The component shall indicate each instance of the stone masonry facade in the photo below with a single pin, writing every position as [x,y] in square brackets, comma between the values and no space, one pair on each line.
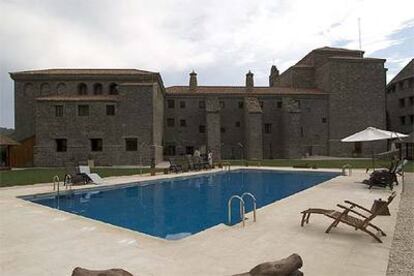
[128,117]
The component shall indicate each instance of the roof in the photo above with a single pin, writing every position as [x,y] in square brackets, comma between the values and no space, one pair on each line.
[76,98]
[80,71]
[261,90]
[405,73]
[7,141]
[335,49]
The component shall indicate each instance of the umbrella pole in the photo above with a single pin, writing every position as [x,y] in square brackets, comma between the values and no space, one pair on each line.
[373,157]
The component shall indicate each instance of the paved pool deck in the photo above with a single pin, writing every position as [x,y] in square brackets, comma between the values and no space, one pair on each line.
[37,240]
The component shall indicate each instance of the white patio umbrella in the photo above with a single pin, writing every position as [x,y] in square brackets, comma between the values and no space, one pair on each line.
[373,134]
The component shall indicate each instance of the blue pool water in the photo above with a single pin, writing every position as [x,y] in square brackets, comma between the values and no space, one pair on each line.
[176,208]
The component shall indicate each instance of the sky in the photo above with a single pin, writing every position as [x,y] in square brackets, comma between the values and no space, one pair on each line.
[220,39]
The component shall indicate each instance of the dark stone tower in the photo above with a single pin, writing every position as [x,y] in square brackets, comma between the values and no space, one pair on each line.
[274,74]
[249,82]
[193,81]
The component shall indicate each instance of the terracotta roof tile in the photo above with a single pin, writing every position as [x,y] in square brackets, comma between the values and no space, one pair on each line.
[80,71]
[86,98]
[242,90]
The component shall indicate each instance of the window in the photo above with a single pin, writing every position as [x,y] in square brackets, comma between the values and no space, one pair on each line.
[268,128]
[301,132]
[183,123]
[170,103]
[170,122]
[357,147]
[59,110]
[411,82]
[182,104]
[402,120]
[412,119]
[412,100]
[261,104]
[324,120]
[222,105]
[401,85]
[202,129]
[113,89]
[169,150]
[61,145]
[97,89]
[189,150]
[201,104]
[131,144]
[241,105]
[110,110]
[279,104]
[82,89]
[223,130]
[237,124]
[83,110]
[96,144]
[401,102]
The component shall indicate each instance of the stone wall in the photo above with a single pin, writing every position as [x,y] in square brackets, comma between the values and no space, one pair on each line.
[356,101]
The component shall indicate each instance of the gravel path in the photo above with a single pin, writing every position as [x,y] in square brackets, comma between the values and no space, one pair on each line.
[401,261]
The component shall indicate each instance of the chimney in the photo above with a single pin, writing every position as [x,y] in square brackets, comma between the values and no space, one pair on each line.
[274,75]
[193,81]
[249,82]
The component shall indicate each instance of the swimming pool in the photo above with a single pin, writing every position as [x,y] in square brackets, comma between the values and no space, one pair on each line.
[178,207]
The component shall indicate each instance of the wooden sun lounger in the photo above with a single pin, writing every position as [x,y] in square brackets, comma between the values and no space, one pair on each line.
[359,222]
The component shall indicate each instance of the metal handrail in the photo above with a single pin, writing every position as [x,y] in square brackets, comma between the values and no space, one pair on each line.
[56,182]
[67,181]
[254,203]
[242,210]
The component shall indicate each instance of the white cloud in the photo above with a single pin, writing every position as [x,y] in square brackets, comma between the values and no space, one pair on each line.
[176,36]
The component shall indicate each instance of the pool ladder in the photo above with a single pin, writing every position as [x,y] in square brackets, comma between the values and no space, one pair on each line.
[242,207]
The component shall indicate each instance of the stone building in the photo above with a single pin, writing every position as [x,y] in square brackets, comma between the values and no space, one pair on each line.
[400,108]
[113,116]
[400,100]
[329,94]
[125,116]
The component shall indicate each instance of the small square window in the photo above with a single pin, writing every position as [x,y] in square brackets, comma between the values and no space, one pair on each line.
[131,144]
[223,130]
[402,120]
[182,104]
[222,105]
[202,129]
[171,103]
[83,110]
[279,104]
[169,150]
[411,119]
[401,85]
[268,128]
[61,145]
[201,104]
[183,123]
[324,120]
[412,100]
[401,102]
[59,110]
[189,150]
[96,144]
[110,110]
[241,105]
[170,122]
[237,124]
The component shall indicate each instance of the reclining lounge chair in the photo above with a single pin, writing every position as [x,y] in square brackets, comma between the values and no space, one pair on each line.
[359,222]
[174,166]
[386,178]
[92,177]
